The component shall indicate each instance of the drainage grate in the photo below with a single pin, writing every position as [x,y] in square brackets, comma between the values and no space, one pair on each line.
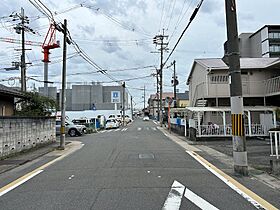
[146,156]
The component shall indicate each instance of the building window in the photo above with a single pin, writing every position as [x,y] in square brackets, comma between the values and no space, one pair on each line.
[274,35]
[274,48]
[218,79]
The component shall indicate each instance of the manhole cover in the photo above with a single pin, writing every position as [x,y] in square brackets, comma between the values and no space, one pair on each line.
[146,156]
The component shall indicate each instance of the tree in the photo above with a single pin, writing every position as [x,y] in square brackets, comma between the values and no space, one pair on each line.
[35,105]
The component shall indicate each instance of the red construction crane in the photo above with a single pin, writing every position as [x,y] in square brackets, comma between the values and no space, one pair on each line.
[49,43]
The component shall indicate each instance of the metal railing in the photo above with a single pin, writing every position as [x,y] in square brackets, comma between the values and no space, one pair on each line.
[255,88]
[272,85]
[221,130]
[274,143]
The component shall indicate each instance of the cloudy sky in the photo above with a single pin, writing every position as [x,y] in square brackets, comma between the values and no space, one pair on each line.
[117,35]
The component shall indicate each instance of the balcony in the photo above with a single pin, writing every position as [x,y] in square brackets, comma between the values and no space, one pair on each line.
[270,87]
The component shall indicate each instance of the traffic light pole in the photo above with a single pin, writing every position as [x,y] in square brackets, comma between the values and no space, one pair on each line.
[236,99]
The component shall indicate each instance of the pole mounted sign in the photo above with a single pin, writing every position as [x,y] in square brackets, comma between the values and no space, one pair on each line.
[115,97]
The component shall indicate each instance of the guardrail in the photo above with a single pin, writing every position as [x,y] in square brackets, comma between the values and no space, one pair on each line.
[274,143]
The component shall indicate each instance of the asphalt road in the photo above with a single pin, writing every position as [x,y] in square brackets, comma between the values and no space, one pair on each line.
[136,167]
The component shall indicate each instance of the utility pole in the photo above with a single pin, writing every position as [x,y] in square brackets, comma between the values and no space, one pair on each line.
[144,97]
[157,95]
[123,102]
[63,98]
[131,107]
[236,99]
[23,65]
[21,28]
[175,82]
[159,40]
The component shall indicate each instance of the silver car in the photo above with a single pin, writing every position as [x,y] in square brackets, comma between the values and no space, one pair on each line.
[71,128]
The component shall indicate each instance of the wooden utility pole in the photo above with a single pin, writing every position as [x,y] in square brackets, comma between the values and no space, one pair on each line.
[236,99]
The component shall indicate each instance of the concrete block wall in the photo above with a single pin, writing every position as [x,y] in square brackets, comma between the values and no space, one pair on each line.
[21,133]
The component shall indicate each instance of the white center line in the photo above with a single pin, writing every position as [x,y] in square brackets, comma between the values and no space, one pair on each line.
[139,129]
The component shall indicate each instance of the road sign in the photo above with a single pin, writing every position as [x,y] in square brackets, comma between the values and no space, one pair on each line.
[115,97]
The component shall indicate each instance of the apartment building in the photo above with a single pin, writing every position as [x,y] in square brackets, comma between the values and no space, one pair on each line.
[264,43]
[209,93]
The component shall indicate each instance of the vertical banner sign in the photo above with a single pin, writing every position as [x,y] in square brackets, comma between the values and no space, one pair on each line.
[115,97]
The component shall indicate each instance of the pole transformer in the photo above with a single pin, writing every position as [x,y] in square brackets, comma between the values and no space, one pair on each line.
[236,99]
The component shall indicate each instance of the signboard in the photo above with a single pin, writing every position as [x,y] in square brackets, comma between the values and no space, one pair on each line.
[115,97]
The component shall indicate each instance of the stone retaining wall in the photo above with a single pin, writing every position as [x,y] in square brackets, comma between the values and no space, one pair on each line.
[22,133]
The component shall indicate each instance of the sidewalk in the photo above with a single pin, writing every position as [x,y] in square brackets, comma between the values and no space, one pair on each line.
[258,151]
[26,156]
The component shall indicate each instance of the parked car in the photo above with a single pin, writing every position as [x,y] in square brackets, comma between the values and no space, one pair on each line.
[112,123]
[146,118]
[71,128]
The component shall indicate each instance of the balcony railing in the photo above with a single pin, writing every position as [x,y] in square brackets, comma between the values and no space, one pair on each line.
[273,86]
[249,88]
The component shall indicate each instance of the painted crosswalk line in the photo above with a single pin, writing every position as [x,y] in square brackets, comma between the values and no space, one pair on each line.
[178,191]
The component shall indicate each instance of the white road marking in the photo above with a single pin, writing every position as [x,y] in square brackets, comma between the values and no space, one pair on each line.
[68,150]
[108,131]
[154,128]
[117,130]
[20,182]
[139,129]
[198,201]
[174,198]
[124,129]
[228,182]
[173,201]
[102,131]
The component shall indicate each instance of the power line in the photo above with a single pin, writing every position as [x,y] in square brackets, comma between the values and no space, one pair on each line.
[191,19]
